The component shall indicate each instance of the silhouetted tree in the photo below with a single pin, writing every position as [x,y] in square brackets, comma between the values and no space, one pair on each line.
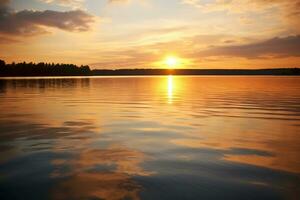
[2,63]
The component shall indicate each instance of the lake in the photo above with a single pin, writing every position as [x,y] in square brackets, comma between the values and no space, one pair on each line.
[150,138]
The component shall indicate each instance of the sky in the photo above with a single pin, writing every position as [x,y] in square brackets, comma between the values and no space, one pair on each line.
[144,33]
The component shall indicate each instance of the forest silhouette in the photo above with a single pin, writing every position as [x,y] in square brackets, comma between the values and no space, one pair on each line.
[50,69]
[42,69]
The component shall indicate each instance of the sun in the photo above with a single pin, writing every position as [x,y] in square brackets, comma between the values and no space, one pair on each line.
[171,61]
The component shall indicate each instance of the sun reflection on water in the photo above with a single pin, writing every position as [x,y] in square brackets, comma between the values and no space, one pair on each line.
[170,89]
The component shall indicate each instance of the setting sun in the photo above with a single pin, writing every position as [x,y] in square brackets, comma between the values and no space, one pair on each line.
[171,61]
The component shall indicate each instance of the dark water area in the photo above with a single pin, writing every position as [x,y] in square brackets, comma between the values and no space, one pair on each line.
[150,138]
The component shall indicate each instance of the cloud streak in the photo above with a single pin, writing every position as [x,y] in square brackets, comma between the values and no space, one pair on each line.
[67,3]
[274,48]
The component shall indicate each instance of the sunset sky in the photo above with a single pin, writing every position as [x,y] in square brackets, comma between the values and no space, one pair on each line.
[143,33]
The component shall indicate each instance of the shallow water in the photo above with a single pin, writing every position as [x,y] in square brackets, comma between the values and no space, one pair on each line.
[150,138]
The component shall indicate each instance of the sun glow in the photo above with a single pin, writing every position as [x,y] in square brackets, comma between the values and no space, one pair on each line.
[171,61]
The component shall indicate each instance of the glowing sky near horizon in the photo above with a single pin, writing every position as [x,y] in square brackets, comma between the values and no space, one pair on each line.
[142,33]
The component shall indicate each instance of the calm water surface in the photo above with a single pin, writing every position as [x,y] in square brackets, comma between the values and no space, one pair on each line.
[150,138]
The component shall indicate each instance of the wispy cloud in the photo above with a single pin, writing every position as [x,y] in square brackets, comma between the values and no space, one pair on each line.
[286,12]
[7,40]
[67,3]
[272,48]
[118,1]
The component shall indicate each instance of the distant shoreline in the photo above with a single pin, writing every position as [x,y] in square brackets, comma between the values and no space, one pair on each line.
[166,72]
[54,70]
[199,72]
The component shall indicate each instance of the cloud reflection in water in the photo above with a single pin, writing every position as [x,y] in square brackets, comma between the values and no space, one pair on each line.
[142,137]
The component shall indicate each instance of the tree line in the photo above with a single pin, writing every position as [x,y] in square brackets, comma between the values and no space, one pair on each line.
[43,69]
[51,69]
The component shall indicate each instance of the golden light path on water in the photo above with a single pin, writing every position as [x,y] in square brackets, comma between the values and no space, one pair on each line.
[170,89]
